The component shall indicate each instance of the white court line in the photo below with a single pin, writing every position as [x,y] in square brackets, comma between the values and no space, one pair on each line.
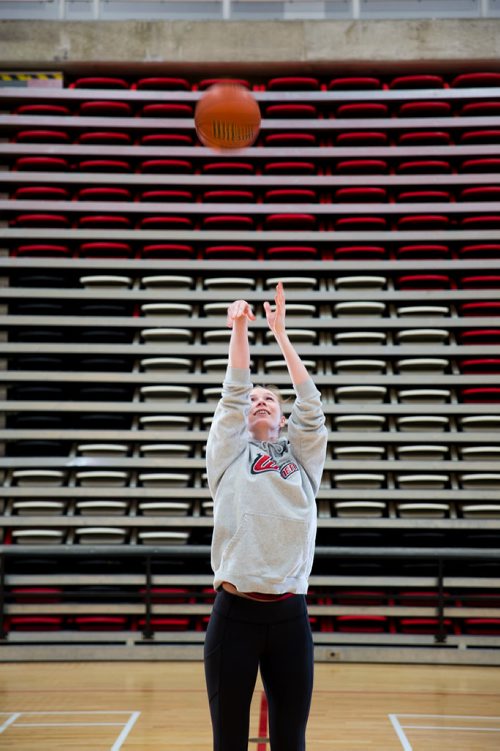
[470,728]
[126,730]
[451,716]
[13,717]
[400,732]
[78,711]
[69,724]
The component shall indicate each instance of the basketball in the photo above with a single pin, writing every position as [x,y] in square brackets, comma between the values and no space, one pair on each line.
[227,117]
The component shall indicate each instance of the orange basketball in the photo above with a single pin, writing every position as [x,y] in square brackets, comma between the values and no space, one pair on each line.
[227,117]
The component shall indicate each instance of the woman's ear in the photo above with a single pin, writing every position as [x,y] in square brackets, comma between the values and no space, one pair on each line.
[282,421]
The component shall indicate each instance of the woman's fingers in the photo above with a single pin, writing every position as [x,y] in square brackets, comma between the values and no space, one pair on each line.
[239,309]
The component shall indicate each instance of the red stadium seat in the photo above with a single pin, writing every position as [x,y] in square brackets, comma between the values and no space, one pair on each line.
[482,308]
[169,595]
[424,196]
[105,249]
[228,195]
[293,83]
[107,193]
[36,595]
[482,395]
[230,252]
[361,224]
[481,626]
[289,140]
[289,168]
[360,195]
[362,166]
[164,624]
[165,223]
[41,164]
[228,168]
[480,365]
[362,624]
[166,139]
[100,622]
[417,81]
[166,166]
[104,137]
[104,221]
[359,253]
[40,135]
[473,80]
[290,195]
[207,82]
[162,195]
[290,222]
[99,82]
[487,108]
[291,111]
[422,252]
[354,83]
[480,193]
[43,109]
[428,626]
[162,83]
[167,109]
[42,250]
[167,251]
[424,281]
[424,167]
[361,138]
[484,164]
[35,623]
[41,193]
[54,221]
[425,109]
[105,109]
[420,222]
[362,109]
[292,253]
[480,222]
[472,137]
[480,336]
[104,165]
[229,222]
[424,138]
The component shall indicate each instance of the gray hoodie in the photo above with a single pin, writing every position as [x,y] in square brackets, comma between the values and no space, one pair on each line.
[264,493]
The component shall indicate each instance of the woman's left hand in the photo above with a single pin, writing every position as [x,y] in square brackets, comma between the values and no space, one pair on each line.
[276,317]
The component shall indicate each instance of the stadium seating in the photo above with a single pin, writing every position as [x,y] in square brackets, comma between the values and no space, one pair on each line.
[121,258]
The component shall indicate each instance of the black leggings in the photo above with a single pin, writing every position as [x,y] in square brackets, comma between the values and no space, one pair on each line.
[242,635]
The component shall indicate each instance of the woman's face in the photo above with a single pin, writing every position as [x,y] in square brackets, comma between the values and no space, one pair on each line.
[265,418]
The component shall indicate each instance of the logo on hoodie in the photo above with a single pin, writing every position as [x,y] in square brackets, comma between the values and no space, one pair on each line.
[264,463]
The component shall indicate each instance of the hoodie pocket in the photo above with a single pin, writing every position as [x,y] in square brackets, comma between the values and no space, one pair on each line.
[274,547]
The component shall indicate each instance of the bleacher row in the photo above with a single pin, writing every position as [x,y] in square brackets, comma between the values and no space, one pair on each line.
[376,199]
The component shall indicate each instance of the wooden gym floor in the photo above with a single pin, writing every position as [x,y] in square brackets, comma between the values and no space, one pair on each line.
[161,706]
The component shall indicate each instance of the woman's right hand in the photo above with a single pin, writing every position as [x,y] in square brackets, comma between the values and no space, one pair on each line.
[239,310]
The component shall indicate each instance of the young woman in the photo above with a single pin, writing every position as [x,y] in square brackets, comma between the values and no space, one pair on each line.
[264,490]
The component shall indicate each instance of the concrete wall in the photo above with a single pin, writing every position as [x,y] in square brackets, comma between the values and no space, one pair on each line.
[316,44]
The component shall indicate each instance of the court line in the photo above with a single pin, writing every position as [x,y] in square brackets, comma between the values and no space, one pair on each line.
[453,716]
[263,722]
[452,727]
[75,712]
[125,732]
[405,743]
[13,717]
[69,724]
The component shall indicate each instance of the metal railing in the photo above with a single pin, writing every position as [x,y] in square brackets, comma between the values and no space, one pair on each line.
[150,553]
[88,10]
